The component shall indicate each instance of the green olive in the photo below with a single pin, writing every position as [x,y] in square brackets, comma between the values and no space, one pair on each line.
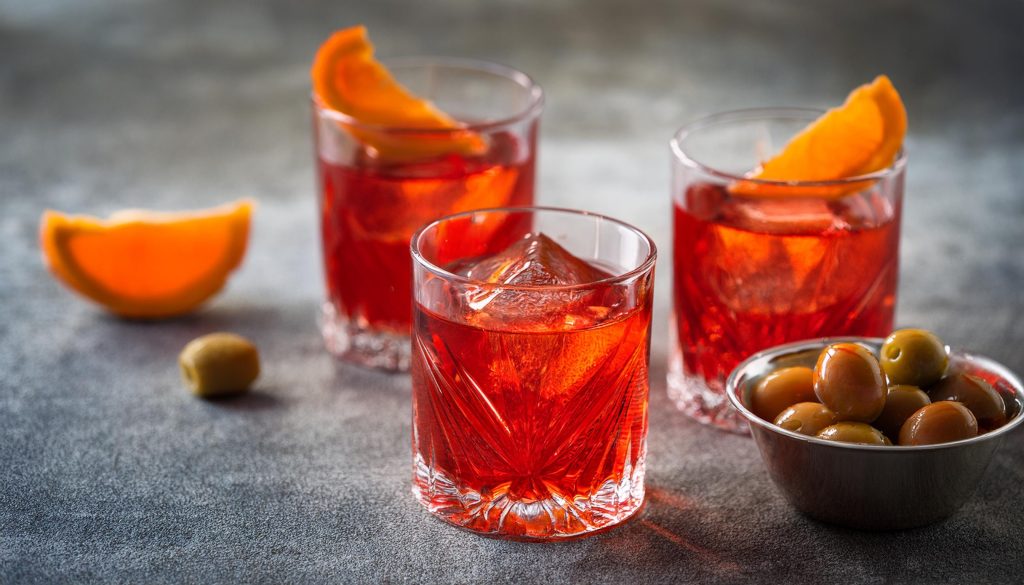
[848,380]
[219,364]
[781,388]
[853,432]
[939,422]
[806,418]
[915,357]
[976,394]
[901,402]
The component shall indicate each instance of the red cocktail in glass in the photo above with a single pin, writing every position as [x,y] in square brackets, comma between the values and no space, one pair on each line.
[530,372]
[753,271]
[371,204]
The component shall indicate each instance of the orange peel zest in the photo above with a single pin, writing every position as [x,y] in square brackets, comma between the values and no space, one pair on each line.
[388,118]
[861,136]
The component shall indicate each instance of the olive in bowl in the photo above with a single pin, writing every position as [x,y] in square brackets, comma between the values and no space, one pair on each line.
[870,486]
[849,380]
[915,357]
[808,418]
[853,432]
[781,389]
[939,422]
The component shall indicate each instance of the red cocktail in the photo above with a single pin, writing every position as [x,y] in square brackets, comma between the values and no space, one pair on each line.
[529,374]
[754,271]
[378,184]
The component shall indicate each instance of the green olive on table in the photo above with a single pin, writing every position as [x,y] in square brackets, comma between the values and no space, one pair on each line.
[853,432]
[806,418]
[780,389]
[849,380]
[939,422]
[914,356]
[976,394]
[901,402]
[219,364]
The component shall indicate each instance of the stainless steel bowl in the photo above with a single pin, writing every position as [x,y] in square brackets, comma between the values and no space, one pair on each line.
[865,486]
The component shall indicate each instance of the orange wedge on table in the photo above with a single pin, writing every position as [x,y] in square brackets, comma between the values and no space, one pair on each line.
[348,79]
[147,264]
[862,136]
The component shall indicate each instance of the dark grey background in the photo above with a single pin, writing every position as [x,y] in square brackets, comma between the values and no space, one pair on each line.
[112,472]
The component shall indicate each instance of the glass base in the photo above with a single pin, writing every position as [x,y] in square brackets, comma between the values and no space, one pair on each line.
[497,514]
[352,342]
[704,401]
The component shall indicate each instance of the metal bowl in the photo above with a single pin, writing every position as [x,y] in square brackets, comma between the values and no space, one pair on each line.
[865,486]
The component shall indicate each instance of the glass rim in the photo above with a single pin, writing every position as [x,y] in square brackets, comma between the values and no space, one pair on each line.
[733,392]
[644,266]
[765,114]
[536,92]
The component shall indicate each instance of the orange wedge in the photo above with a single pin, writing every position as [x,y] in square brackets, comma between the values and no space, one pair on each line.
[348,79]
[861,136]
[894,117]
[147,264]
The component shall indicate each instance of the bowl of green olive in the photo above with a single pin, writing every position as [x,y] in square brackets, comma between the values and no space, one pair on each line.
[876,434]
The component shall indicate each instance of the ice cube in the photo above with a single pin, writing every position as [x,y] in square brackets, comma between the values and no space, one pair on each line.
[535,260]
[796,216]
[862,210]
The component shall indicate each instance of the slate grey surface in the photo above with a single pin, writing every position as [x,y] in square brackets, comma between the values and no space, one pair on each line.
[111,472]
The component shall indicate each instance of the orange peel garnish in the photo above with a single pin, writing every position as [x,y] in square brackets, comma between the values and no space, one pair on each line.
[860,137]
[147,264]
[347,78]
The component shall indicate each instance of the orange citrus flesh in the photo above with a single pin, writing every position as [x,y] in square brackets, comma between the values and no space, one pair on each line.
[348,79]
[147,264]
[861,136]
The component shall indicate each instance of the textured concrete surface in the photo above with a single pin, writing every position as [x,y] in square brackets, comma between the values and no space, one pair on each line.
[111,472]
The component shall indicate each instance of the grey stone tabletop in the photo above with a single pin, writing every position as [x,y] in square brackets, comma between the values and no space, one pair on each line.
[111,472]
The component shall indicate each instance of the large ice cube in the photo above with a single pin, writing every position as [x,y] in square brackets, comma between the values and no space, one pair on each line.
[779,216]
[536,261]
[863,210]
